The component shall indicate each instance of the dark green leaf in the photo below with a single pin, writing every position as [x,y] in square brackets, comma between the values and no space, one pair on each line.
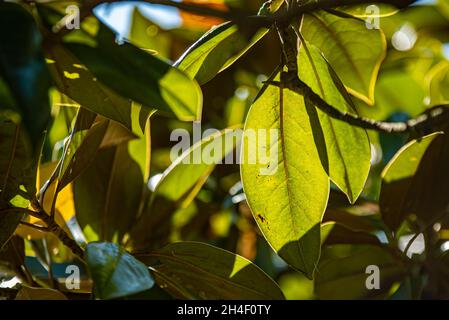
[17,175]
[354,51]
[74,80]
[194,270]
[106,199]
[416,181]
[140,76]
[23,70]
[336,233]
[115,272]
[345,277]
[179,185]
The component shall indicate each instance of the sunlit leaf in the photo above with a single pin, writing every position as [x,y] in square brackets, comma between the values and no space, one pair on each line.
[354,51]
[438,83]
[147,35]
[348,149]
[216,50]
[193,270]
[287,196]
[180,183]
[76,81]
[219,48]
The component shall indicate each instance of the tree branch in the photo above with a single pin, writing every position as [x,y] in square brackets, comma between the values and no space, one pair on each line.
[426,123]
[239,17]
[59,232]
[300,9]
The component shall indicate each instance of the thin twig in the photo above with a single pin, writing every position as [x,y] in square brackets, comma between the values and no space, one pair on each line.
[35,226]
[300,9]
[57,230]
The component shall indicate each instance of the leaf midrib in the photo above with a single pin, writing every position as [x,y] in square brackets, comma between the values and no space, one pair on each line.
[287,176]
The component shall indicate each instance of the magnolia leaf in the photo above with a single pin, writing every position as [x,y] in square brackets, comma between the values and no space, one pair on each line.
[115,272]
[106,199]
[353,50]
[351,276]
[17,176]
[194,270]
[415,181]
[348,149]
[140,76]
[220,47]
[179,185]
[287,195]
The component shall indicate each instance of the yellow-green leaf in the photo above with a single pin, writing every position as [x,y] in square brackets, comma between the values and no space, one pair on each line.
[289,199]
[194,270]
[354,51]
[347,147]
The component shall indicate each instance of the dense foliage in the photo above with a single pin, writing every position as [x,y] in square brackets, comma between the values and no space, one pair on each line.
[355,91]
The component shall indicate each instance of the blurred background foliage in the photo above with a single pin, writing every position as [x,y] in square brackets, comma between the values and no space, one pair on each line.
[413,77]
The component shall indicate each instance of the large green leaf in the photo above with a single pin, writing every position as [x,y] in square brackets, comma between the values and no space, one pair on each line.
[354,51]
[179,185]
[416,181]
[194,270]
[106,199]
[289,199]
[348,148]
[115,272]
[23,70]
[140,76]
[345,277]
[17,175]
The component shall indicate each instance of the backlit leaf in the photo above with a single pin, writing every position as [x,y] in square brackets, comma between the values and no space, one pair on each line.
[354,51]
[348,149]
[287,196]
[194,270]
